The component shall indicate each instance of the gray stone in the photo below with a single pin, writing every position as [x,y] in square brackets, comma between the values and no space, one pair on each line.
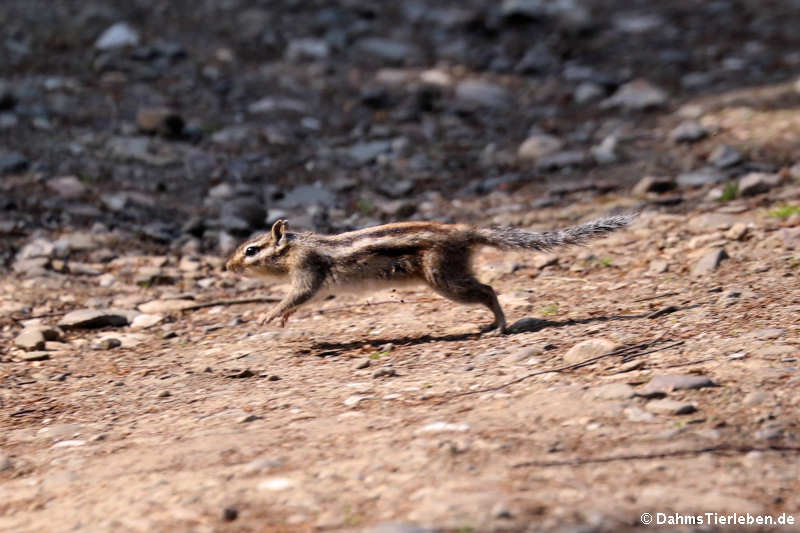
[613,391]
[712,222]
[35,356]
[636,95]
[477,93]
[69,187]
[106,343]
[724,156]
[756,398]
[670,382]
[307,49]
[233,135]
[588,92]
[384,372]
[670,407]
[11,162]
[116,36]
[241,214]
[395,188]
[777,351]
[95,318]
[653,184]
[387,50]
[709,262]
[366,152]
[605,153]
[635,414]
[757,183]
[700,177]
[588,349]
[165,306]
[30,339]
[658,266]
[688,132]
[539,145]
[269,104]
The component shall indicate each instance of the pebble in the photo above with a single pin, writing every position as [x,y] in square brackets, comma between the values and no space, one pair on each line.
[146,320]
[588,349]
[672,382]
[229,514]
[438,427]
[116,36]
[387,50]
[658,266]
[605,153]
[67,187]
[106,343]
[161,120]
[700,177]
[261,465]
[757,183]
[96,318]
[478,93]
[709,262]
[307,49]
[756,398]
[30,339]
[587,92]
[724,156]
[539,145]
[612,391]
[353,401]
[34,356]
[366,152]
[670,407]
[165,306]
[738,232]
[636,95]
[164,394]
[688,132]
[5,463]
[249,418]
[636,414]
[386,371]
[777,351]
[69,443]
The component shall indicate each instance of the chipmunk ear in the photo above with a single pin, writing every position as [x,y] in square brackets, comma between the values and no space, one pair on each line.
[279,230]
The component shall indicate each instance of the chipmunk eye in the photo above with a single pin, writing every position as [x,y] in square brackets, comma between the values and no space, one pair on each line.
[251,251]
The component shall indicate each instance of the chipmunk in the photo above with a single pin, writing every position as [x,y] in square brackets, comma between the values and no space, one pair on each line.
[430,253]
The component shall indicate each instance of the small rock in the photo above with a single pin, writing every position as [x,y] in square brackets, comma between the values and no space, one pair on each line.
[161,120]
[771,431]
[145,321]
[658,266]
[539,145]
[165,306]
[775,351]
[477,93]
[30,339]
[605,152]
[366,152]
[755,398]
[35,356]
[612,391]
[95,318]
[116,36]
[362,364]
[671,382]
[588,349]
[305,195]
[670,407]
[307,49]
[709,262]
[249,418]
[69,443]
[738,232]
[588,92]
[688,132]
[757,183]
[68,187]
[106,343]
[387,50]
[438,427]
[700,177]
[11,162]
[275,484]
[353,401]
[5,463]
[261,465]
[567,158]
[386,371]
[653,184]
[545,260]
[501,511]
[724,156]
[635,414]
[164,394]
[636,95]
[768,333]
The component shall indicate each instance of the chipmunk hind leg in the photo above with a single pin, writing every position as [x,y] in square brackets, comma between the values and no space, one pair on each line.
[450,275]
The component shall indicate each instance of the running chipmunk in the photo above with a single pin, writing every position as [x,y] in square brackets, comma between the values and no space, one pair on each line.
[431,253]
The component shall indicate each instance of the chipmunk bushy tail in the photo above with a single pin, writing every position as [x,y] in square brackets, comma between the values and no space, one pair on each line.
[505,237]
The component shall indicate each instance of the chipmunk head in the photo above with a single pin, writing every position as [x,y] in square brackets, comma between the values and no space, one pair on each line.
[264,255]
